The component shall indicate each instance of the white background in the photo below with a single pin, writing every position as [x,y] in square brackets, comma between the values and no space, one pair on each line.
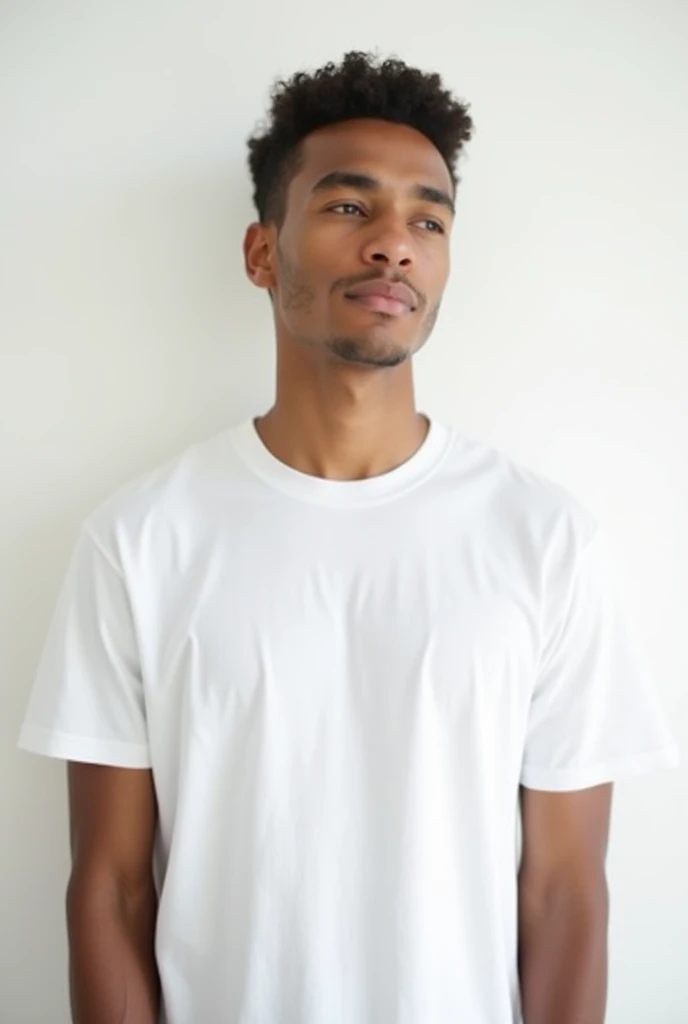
[129,331]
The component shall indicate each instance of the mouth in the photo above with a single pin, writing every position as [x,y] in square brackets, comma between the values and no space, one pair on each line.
[390,298]
[381,304]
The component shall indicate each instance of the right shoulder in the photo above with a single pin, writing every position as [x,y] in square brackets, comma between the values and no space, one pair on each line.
[161,499]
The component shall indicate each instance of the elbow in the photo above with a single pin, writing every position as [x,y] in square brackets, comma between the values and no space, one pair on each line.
[95,895]
[576,898]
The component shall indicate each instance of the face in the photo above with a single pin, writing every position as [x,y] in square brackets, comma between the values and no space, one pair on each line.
[360,263]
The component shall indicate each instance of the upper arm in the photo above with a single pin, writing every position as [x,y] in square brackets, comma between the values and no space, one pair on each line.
[113,816]
[565,837]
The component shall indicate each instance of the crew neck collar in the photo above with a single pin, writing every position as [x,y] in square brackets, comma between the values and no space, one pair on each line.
[249,446]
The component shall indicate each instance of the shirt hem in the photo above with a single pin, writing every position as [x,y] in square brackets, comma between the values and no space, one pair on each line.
[68,747]
[561,780]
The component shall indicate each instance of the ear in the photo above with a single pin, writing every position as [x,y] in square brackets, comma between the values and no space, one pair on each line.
[259,248]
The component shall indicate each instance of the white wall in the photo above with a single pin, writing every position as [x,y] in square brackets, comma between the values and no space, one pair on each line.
[128,331]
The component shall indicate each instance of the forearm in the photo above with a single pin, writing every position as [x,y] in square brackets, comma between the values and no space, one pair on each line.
[112,971]
[563,956]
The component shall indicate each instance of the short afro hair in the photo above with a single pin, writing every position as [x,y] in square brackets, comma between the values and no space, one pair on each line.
[360,87]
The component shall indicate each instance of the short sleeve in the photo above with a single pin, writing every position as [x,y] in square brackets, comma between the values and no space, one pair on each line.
[593,716]
[87,698]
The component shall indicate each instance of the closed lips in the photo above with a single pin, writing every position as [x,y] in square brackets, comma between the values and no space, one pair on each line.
[386,290]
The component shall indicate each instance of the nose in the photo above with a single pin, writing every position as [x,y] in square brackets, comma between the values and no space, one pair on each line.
[389,245]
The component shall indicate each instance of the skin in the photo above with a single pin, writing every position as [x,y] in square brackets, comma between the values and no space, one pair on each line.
[344,410]
[563,906]
[111,899]
[344,404]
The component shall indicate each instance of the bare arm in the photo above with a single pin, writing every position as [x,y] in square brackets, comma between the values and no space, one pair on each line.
[563,906]
[111,901]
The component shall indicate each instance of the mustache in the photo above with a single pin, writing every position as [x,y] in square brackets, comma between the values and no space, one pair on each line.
[347,283]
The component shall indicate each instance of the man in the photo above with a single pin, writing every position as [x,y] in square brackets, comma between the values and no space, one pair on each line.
[313,675]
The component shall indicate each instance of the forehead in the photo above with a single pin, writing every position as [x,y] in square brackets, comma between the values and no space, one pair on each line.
[393,153]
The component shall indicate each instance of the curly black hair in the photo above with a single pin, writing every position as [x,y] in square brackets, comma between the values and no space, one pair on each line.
[359,87]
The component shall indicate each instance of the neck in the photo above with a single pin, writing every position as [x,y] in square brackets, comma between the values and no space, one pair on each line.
[334,444]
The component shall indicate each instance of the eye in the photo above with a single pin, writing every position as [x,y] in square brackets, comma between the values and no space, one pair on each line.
[434,226]
[347,208]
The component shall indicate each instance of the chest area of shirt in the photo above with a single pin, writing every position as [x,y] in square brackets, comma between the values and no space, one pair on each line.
[306,632]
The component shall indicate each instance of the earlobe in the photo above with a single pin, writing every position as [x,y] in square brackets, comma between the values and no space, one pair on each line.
[258,255]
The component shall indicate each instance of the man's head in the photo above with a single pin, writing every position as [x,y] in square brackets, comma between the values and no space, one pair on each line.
[354,183]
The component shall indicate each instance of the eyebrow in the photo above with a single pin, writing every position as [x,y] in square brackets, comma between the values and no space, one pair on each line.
[364,183]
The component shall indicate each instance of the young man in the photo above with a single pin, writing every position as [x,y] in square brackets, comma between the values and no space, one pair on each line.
[313,675]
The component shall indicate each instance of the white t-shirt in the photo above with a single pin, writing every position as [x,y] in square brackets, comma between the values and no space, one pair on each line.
[339,687]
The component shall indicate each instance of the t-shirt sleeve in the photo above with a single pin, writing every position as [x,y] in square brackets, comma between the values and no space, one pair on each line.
[87,701]
[593,716]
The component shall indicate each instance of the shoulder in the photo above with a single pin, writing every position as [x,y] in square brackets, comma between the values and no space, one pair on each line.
[540,511]
[162,501]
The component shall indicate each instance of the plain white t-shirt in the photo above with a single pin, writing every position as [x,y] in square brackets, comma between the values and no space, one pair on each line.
[339,687]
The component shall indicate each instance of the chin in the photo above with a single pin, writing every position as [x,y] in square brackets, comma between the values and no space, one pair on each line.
[381,352]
